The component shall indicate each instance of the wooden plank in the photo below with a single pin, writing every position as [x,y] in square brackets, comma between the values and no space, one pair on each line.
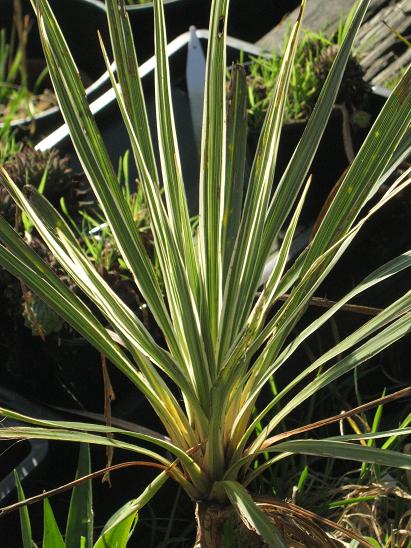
[320,15]
[377,45]
[379,48]
[392,69]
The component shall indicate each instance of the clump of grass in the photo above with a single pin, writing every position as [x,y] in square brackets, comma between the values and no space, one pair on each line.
[19,97]
[47,170]
[95,235]
[10,145]
[314,57]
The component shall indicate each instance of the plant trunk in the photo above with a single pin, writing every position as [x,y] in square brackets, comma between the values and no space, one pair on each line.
[220,525]
[211,519]
[210,522]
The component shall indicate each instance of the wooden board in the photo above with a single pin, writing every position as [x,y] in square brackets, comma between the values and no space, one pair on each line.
[381,52]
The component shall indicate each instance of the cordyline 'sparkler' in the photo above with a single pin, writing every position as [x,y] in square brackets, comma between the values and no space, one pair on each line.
[221,348]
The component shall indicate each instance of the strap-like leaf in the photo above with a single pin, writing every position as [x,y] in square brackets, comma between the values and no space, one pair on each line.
[213,160]
[81,427]
[235,163]
[124,51]
[373,435]
[338,449]
[238,294]
[345,450]
[77,436]
[395,331]
[169,154]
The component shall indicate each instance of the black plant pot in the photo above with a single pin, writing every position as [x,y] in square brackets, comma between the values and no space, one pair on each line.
[246,21]
[179,16]
[62,370]
[59,371]
[251,20]
[80,20]
[25,457]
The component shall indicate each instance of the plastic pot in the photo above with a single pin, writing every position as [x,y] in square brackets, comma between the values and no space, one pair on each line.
[186,106]
[24,457]
[179,15]
[251,20]
[246,21]
[80,20]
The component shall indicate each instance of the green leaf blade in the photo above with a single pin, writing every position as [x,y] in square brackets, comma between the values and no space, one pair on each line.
[248,510]
[25,524]
[52,537]
[80,516]
[346,451]
[119,528]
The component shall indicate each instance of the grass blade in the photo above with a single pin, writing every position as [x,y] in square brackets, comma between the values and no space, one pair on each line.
[52,537]
[118,529]
[80,516]
[25,525]
[169,154]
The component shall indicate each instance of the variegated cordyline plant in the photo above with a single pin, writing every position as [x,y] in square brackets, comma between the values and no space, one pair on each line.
[221,345]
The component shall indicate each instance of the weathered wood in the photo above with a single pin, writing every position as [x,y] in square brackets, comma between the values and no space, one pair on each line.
[382,63]
[374,19]
[381,52]
[377,45]
[320,15]
[393,68]
[315,19]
